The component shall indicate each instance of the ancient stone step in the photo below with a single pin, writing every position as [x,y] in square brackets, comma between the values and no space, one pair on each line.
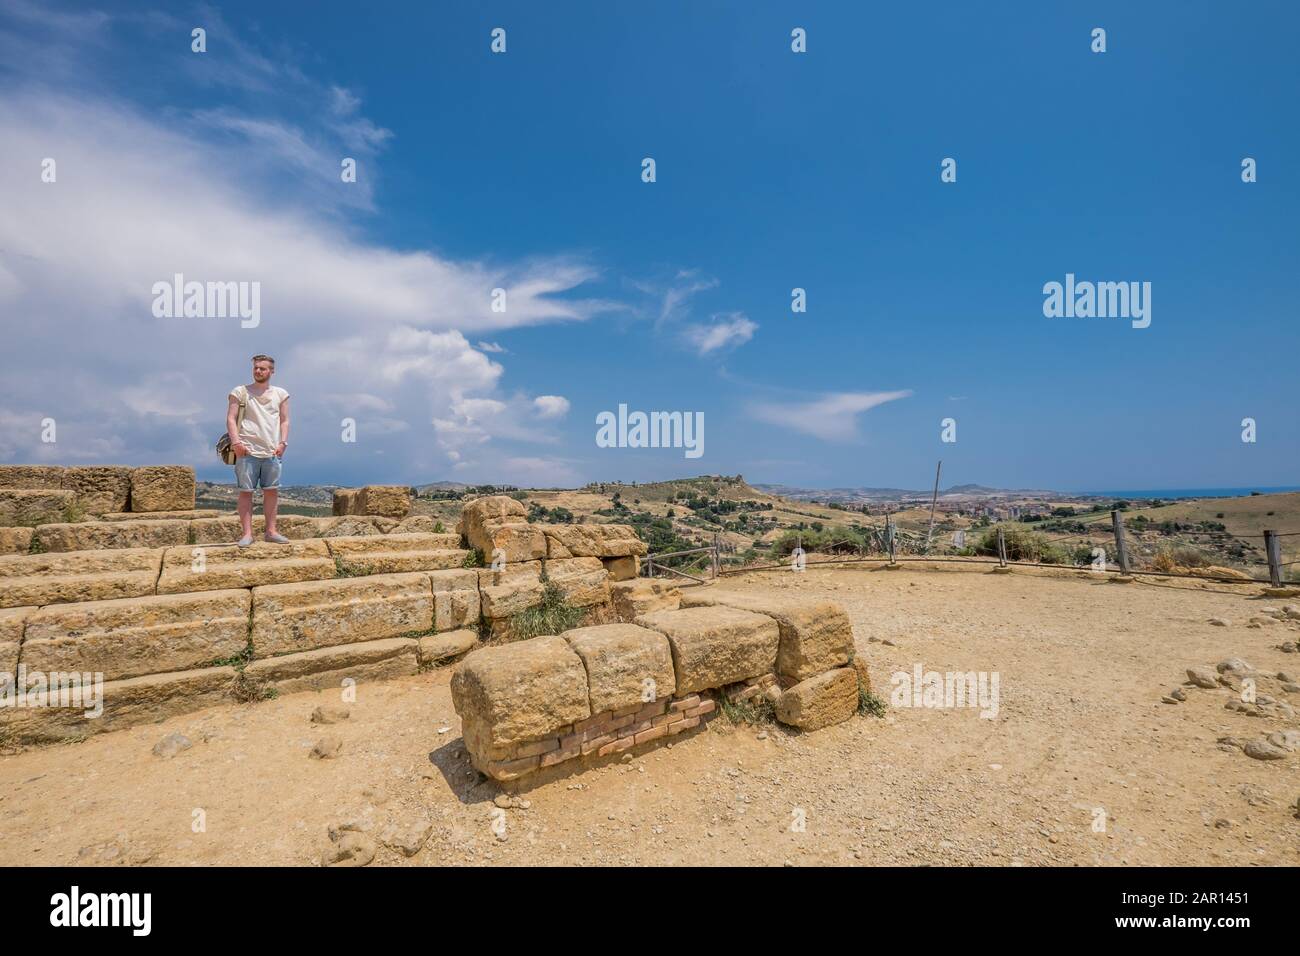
[295,617]
[187,515]
[392,553]
[324,669]
[162,488]
[439,647]
[131,637]
[632,599]
[15,540]
[456,602]
[27,507]
[105,535]
[74,576]
[12,622]
[99,488]
[125,703]
[213,567]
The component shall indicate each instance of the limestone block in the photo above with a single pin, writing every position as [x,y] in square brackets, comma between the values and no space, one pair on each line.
[325,668]
[439,647]
[162,488]
[129,637]
[820,701]
[303,616]
[583,581]
[456,600]
[24,507]
[31,477]
[632,599]
[518,692]
[508,592]
[126,703]
[99,488]
[27,579]
[626,665]
[592,540]
[214,567]
[106,535]
[714,646]
[15,540]
[816,635]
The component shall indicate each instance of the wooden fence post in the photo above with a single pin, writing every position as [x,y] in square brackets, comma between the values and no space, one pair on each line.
[1002,548]
[1273,548]
[715,560]
[1121,549]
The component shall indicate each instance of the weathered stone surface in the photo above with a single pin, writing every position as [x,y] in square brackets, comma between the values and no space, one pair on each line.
[816,635]
[820,701]
[392,553]
[426,523]
[15,540]
[591,540]
[713,646]
[518,541]
[437,647]
[130,637]
[29,579]
[126,703]
[31,476]
[517,588]
[490,509]
[352,526]
[295,617]
[24,507]
[190,514]
[622,569]
[104,535]
[391,501]
[326,667]
[626,665]
[859,665]
[12,622]
[456,602]
[99,488]
[214,567]
[162,488]
[346,501]
[632,599]
[518,692]
[583,581]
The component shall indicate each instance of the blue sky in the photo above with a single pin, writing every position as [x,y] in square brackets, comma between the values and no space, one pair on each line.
[775,170]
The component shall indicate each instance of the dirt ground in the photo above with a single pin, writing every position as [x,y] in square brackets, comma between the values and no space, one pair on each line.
[1081,739]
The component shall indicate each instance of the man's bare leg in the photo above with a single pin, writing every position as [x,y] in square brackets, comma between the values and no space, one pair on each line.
[246,512]
[270,502]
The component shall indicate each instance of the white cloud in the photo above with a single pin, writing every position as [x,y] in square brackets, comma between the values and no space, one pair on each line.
[831,418]
[551,406]
[491,347]
[727,331]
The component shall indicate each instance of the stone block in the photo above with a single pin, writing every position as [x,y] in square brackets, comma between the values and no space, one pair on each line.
[820,701]
[29,507]
[107,535]
[626,665]
[99,488]
[162,488]
[64,577]
[325,668]
[130,637]
[32,477]
[289,618]
[714,646]
[214,567]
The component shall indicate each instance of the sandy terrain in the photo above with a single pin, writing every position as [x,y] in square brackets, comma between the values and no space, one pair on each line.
[1081,732]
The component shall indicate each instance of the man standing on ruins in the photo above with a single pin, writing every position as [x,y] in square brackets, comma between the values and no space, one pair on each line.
[257,421]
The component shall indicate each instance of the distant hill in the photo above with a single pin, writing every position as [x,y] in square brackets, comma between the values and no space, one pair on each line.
[900,494]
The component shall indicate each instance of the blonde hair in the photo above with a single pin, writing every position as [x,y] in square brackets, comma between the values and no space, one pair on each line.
[263,358]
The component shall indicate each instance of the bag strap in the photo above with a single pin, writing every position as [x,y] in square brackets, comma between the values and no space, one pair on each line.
[239,416]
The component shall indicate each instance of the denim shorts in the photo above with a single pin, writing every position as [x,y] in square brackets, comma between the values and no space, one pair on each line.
[253,473]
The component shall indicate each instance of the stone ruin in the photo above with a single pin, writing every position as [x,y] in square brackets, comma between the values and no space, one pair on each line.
[176,619]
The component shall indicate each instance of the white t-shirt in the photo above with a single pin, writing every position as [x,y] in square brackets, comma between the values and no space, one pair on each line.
[260,429]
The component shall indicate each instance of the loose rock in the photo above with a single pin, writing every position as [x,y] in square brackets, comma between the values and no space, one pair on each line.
[329,714]
[327,748]
[171,745]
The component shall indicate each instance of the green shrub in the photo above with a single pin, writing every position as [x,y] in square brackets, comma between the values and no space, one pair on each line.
[554,615]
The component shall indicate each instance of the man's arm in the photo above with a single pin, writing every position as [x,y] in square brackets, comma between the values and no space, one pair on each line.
[284,428]
[232,427]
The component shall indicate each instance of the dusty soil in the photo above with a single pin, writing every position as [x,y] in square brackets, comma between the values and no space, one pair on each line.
[1081,736]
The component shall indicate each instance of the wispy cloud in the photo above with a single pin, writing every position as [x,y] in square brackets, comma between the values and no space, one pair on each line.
[832,417]
[725,331]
